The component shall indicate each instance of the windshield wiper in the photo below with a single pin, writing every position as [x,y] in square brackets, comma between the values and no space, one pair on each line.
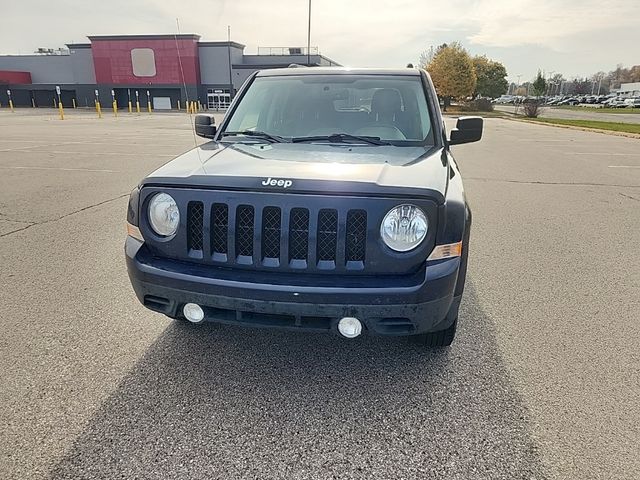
[257,134]
[341,138]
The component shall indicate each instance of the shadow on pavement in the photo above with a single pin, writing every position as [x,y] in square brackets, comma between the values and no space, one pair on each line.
[227,402]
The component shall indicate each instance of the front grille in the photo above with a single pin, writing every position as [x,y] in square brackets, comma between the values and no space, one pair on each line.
[327,234]
[219,227]
[356,235]
[271,226]
[195,225]
[244,230]
[275,236]
[299,234]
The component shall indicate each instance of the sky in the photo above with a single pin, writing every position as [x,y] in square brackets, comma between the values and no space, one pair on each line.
[573,37]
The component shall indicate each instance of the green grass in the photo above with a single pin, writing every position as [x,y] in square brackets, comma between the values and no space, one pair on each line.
[456,111]
[611,126]
[597,110]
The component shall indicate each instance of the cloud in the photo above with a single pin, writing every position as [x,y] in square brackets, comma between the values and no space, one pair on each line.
[545,22]
[567,35]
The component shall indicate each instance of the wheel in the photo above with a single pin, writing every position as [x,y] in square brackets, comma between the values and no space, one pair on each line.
[441,338]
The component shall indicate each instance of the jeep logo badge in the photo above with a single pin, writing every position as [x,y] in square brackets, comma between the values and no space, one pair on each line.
[277,182]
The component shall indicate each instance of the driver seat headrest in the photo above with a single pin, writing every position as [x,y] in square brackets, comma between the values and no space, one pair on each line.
[386,103]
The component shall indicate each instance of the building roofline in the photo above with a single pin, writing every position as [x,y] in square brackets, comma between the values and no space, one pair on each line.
[294,57]
[221,44]
[161,36]
[78,45]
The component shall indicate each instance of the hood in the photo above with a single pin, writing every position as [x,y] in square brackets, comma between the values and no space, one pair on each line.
[304,168]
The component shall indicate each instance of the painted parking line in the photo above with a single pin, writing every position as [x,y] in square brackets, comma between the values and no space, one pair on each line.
[624,166]
[110,154]
[607,154]
[66,169]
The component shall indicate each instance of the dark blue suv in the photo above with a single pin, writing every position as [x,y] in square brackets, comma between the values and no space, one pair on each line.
[327,200]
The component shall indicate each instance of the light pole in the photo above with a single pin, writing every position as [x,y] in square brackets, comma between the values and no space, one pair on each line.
[229,57]
[600,84]
[548,81]
[309,38]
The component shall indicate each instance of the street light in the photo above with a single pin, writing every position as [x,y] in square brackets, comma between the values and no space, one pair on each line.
[549,83]
[309,38]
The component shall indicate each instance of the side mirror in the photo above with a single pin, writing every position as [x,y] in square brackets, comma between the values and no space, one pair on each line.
[205,125]
[468,129]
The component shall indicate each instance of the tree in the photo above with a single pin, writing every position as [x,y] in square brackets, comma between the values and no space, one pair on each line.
[427,55]
[491,77]
[451,70]
[539,85]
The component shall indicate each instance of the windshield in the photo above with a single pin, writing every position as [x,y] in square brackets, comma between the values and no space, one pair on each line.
[390,108]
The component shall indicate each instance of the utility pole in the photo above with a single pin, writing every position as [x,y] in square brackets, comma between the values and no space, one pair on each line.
[548,89]
[229,56]
[599,83]
[309,38]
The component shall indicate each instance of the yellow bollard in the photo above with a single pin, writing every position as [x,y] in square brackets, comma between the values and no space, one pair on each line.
[115,109]
[11,105]
[130,110]
[137,106]
[61,109]
[73,101]
[98,109]
[149,106]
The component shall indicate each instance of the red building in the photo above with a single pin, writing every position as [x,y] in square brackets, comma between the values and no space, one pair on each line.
[166,70]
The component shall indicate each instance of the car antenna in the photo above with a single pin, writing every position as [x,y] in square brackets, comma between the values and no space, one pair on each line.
[186,93]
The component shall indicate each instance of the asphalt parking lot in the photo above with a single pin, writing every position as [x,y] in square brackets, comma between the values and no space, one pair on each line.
[543,380]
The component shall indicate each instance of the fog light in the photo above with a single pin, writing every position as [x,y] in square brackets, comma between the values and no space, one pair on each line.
[350,327]
[193,312]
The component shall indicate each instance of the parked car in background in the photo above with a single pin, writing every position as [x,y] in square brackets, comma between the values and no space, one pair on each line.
[503,99]
[618,103]
[632,102]
[569,101]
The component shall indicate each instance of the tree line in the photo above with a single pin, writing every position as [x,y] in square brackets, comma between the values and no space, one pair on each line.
[600,83]
[458,75]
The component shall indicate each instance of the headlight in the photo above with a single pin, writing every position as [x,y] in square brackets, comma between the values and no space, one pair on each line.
[164,216]
[404,227]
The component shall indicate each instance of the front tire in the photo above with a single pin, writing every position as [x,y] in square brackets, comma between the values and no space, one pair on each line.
[441,338]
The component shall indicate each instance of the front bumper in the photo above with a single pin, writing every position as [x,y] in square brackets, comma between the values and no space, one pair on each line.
[391,305]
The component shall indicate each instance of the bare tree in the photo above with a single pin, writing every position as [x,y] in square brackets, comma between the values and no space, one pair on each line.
[531,109]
